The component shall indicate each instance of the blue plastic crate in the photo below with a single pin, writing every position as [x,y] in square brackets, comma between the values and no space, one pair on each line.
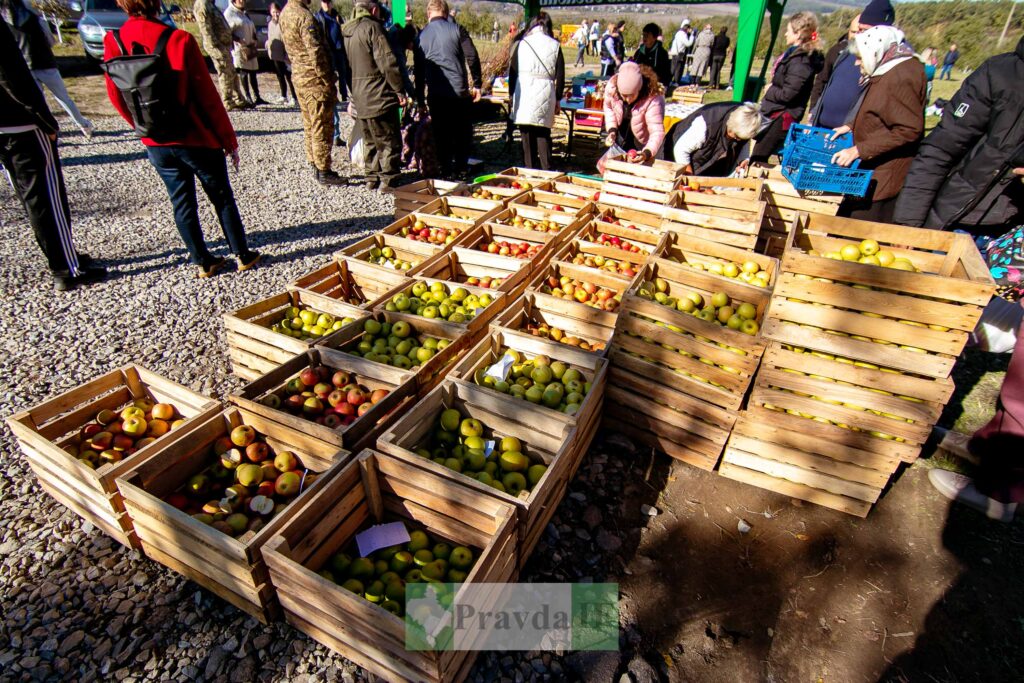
[817,139]
[831,178]
[807,162]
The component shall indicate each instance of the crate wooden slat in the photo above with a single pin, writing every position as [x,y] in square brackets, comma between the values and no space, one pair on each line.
[690,249]
[559,269]
[645,240]
[466,208]
[816,297]
[784,202]
[459,264]
[232,568]
[521,216]
[371,489]
[734,217]
[473,325]
[654,183]
[400,385]
[255,349]
[495,232]
[504,188]
[588,189]
[533,309]
[532,174]
[545,439]
[546,200]
[685,96]
[353,282]
[43,432]
[416,253]
[581,253]
[412,196]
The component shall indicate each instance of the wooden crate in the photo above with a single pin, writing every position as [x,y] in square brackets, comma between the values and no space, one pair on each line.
[703,255]
[653,183]
[548,201]
[495,232]
[416,253]
[466,209]
[354,282]
[638,235]
[374,489]
[412,196]
[473,325]
[684,96]
[45,431]
[840,307]
[588,189]
[400,385]
[255,349]
[532,310]
[532,174]
[784,202]
[582,253]
[505,187]
[429,374]
[524,217]
[459,265]
[492,348]
[232,568]
[735,216]
[602,279]
[641,215]
[546,438]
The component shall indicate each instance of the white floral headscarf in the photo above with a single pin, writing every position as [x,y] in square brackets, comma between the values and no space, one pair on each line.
[880,48]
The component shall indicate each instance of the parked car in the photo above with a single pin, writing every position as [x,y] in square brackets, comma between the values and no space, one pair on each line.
[100,16]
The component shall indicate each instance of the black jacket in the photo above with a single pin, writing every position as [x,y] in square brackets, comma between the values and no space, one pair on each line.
[963,172]
[376,78]
[720,48]
[791,85]
[718,155]
[441,55]
[21,100]
[657,58]
[28,33]
[823,77]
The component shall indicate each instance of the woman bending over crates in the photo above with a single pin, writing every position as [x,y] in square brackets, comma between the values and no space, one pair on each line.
[887,123]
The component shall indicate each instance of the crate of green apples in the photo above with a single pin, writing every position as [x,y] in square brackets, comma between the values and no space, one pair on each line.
[350,281]
[449,304]
[354,602]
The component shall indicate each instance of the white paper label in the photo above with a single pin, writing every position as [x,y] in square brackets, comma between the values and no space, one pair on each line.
[389,265]
[381,536]
[499,371]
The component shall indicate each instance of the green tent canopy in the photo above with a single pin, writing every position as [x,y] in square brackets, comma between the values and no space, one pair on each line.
[751,18]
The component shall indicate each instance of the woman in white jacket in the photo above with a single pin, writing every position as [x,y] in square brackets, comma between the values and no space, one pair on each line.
[536,79]
[244,52]
[702,53]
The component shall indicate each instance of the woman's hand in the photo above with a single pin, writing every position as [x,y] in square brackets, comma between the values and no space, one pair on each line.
[610,140]
[641,157]
[235,160]
[841,130]
[845,157]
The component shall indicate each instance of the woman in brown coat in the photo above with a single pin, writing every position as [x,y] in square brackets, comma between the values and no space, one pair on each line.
[887,123]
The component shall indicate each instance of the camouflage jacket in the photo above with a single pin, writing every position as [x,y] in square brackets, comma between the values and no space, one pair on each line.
[306,46]
[213,27]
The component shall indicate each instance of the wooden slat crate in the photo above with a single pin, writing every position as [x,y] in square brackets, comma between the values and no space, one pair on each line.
[603,314]
[532,310]
[631,214]
[535,219]
[612,225]
[588,189]
[373,489]
[532,174]
[353,282]
[476,238]
[231,567]
[545,438]
[684,96]
[47,430]
[468,209]
[654,183]
[504,188]
[412,251]
[735,216]
[491,349]
[784,202]
[912,321]
[473,325]
[711,257]
[429,374]
[548,201]
[400,385]
[412,196]
[597,257]
[255,349]
[460,265]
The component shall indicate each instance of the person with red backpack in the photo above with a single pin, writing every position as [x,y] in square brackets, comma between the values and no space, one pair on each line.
[182,123]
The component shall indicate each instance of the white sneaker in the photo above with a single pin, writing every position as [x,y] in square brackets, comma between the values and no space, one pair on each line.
[88,129]
[961,489]
[954,443]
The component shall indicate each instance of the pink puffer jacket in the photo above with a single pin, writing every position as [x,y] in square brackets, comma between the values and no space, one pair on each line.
[648,121]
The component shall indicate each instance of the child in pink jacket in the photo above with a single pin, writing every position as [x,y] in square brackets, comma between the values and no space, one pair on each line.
[634,95]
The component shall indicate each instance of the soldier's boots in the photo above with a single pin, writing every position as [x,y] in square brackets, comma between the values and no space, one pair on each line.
[330,178]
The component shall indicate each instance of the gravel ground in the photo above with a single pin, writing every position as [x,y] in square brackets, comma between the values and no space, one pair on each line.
[76,605]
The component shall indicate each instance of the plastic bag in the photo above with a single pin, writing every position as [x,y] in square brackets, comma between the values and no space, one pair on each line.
[613,151]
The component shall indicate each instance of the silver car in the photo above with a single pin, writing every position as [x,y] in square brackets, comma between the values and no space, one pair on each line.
[100,16]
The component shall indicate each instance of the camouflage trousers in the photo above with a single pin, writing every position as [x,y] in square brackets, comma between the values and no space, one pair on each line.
[230,89]
[317,107]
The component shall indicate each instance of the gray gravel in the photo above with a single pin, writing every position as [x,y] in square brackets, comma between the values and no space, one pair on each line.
[78,606]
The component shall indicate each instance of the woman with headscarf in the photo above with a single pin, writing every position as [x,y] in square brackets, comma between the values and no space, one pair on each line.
[887,122]
[634,111]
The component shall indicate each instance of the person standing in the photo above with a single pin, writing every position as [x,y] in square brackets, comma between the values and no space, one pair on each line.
[719,51]
[595,33]
[580,39]
[28,150]
[967,173]
[887,124]
[328,18]
[837,86]
[244,53]
[217,40]
[652,53]
[377,93]
[634,111]
[440,66]
[279,56]
[313,76]
[952,55]
[680,48]
[205,135]
[702,45]
[536,79]
[785,100]
[610,59]
[495,32]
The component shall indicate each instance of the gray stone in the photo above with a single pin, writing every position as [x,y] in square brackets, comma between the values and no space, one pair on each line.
[642,671]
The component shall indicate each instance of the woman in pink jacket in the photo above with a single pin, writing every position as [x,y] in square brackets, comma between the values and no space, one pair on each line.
[634,111]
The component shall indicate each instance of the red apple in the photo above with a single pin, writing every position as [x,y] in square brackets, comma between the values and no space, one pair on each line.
[356,397]
[332,420]
[257,451]
[378,395]
[309,377]
[340,379]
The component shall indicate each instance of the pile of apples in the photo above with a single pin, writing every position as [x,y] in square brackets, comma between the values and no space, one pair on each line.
[869,252]
[612,219]
[485,193]
[458,443]
[519,250]
[386,257]
[616,242]
[748,271]
[381,577]
[307,324]
[420,232]
[395,344]
[246,486]
[624,268]
[437,300]
[113,436]
[694,185]
[485,282]
[718,308]
[545,331]
[535,225]
[565,287]
[330,398]
[554,385]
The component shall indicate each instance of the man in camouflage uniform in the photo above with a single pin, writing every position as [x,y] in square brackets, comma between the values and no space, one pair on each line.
[313,77]
[218,43]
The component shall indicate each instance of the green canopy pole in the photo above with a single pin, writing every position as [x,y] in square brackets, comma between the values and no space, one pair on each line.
[531,9]
[775,22]
[398,11]
[749,27]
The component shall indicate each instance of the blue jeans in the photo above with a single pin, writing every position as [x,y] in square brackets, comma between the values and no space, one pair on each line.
[179,167]
[946,68]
